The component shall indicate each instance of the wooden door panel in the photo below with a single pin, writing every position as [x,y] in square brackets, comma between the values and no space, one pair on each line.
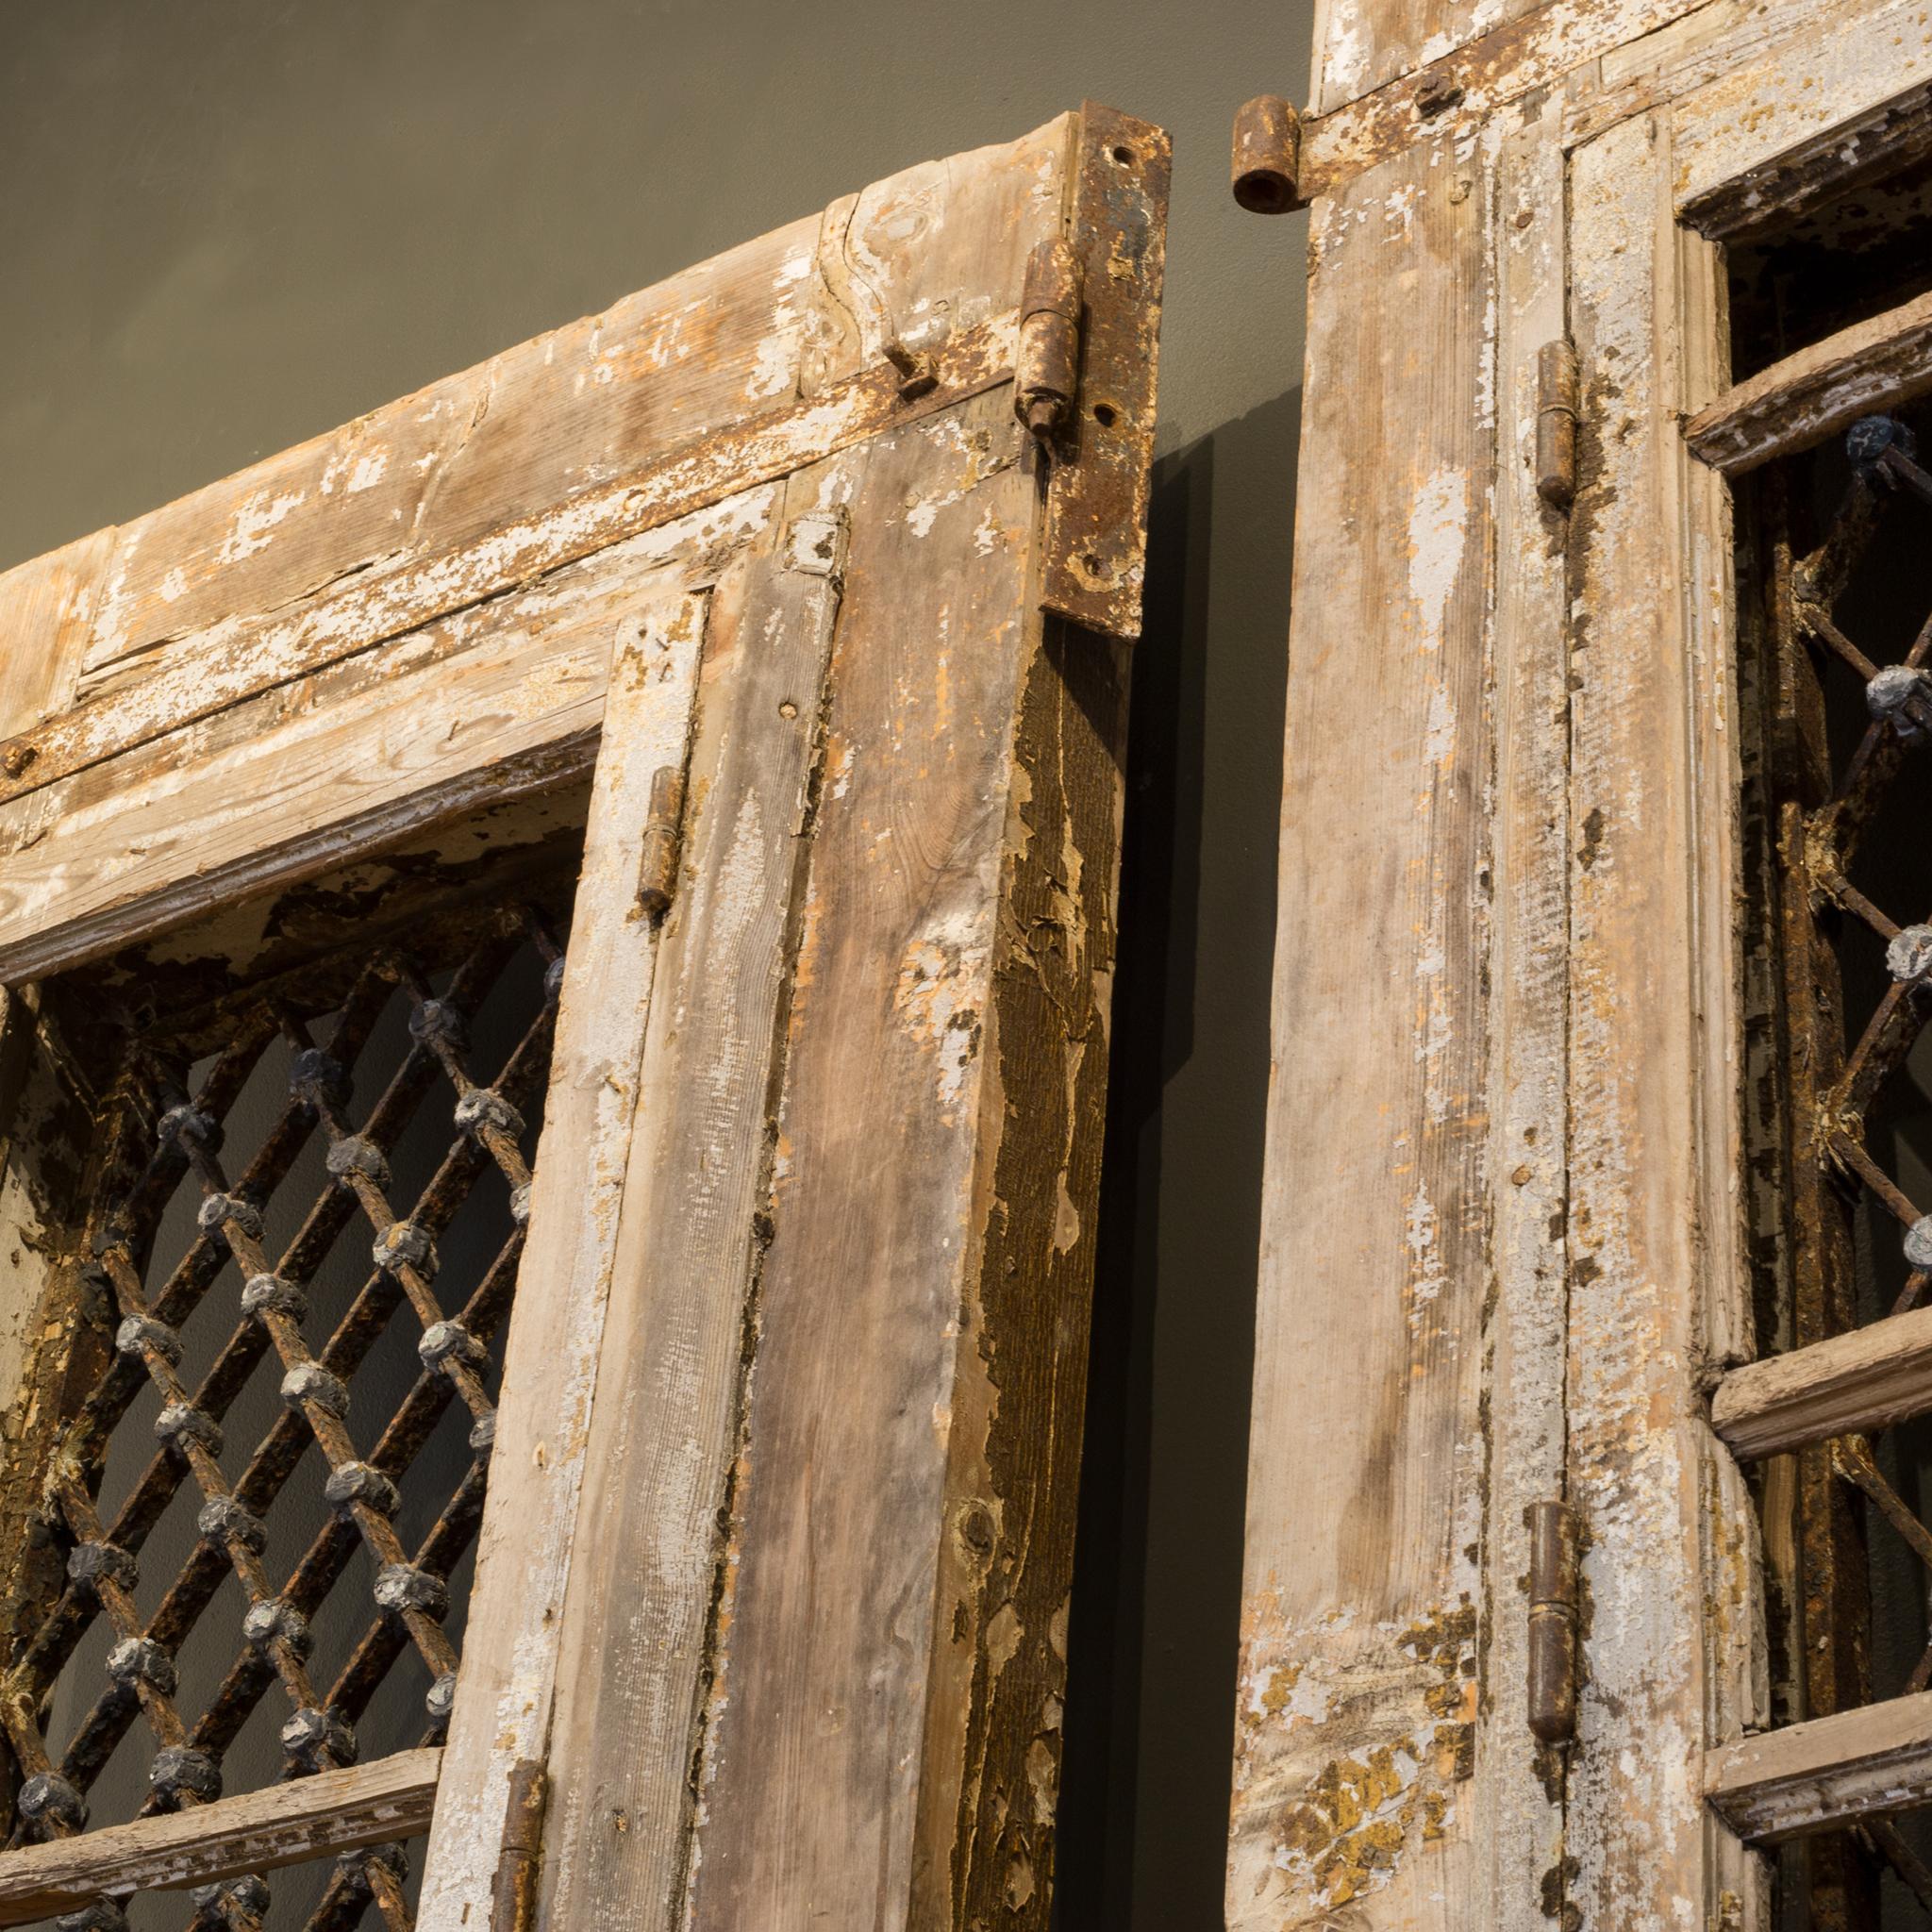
[786,565]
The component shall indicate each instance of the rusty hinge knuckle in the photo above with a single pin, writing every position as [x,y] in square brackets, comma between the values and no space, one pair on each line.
[1266,174]
[1557,391]
[1552,1653]
[513,1891]
[660,846]
[1047,367]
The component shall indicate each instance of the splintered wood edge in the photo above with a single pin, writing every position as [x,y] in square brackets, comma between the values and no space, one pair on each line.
[283,1824]
[1829,1771]
[1809,396]
[1866,1379]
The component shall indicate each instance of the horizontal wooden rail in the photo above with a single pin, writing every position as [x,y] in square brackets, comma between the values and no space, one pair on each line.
[284,1824]
[1864,1380]
[1874,365]
[1824,1773]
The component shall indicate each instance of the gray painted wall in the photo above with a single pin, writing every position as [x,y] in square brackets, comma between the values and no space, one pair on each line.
[228,225]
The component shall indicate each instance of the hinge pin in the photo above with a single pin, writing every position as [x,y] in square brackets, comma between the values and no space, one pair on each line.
[1268,157]
[1048,364]
[513,1893]
[659,854]
[1557,391]
[1552,1622]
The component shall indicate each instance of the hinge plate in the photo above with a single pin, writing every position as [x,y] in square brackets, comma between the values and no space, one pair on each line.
[1103,456]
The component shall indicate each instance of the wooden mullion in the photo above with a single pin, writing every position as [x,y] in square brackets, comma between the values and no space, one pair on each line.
[281,1825]
[1819,1776]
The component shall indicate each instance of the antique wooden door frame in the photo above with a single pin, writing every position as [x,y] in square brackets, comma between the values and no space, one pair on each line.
[819,564]
[1504,1579]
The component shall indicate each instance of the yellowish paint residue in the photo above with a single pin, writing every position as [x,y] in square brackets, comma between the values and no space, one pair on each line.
[1351,1741]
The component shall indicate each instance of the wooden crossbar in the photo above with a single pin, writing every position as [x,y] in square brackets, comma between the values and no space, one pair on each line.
[1824,1773]
[1862,1381]
[283,1824]
[1874,366]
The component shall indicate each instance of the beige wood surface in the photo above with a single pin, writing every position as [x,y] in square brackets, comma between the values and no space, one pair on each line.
[1517,1791]
[633,1642]
[1826,1772]
[504,699]
[1356,1702]
[281,1825]
[551,1369]
[1799,402]
[1864,1380]
[821,1706]
[1657,1281]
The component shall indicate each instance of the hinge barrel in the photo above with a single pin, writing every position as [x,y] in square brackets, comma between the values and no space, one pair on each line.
[513,1891]
[659,854]
[1048,364]
[1267,156]
[1558,391]
[1553,1621]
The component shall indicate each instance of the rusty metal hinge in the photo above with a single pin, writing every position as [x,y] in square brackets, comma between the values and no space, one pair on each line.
[513,1891]
[1553,1621]
[1046,368]
[1557,403]
[1266,174]
[660,846]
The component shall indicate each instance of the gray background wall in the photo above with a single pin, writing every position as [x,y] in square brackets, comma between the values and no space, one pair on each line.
[228,225]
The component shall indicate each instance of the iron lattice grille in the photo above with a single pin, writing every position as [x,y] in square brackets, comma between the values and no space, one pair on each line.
[1850,801]
[171,1141]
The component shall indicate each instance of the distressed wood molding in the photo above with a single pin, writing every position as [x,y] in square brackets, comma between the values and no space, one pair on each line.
[1867,1379]
[1820,391]
[1824,1773]
[280,1825]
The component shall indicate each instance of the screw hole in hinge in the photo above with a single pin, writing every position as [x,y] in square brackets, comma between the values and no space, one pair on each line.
[1124,156]
[1105,415]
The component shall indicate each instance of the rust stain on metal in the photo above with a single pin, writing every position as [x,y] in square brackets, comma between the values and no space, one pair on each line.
[1096,533]
[1266,169]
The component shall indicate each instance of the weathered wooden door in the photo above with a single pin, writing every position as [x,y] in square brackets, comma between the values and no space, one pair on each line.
[730,689]
[1594,1078]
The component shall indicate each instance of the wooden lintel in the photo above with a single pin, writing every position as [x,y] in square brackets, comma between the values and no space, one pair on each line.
[223,666]
[1828,1773]
[283,1824]
[1800,401]
[1866,1379]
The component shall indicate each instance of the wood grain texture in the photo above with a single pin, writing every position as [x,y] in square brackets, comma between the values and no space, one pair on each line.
[503,1708]
[49,603]
[1826,1774]
[504,699]
[1879,365]
[1358,1695]
[281,1825]
[635,1672]
[1532,50]
[1864,1380]
[1780,102]
[1657,1280]
[1516,1794]
[735,373]
[824,1740]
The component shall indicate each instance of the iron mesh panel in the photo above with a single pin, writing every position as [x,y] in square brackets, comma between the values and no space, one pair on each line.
[172,1144]
[1844,798]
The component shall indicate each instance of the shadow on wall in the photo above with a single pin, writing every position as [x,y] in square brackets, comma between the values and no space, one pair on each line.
[1150,1717]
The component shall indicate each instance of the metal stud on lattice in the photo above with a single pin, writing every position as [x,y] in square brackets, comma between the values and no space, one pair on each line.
[368,1459]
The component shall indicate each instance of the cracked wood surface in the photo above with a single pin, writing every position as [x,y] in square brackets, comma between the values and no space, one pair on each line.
[254,1831]
[635,1643]
[1809,396]
[1826,1772]
[1359,1693]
